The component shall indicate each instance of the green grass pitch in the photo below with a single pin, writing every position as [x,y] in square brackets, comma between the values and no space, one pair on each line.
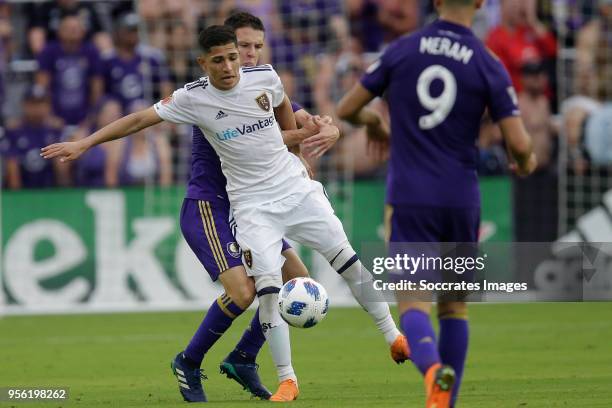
[521,355]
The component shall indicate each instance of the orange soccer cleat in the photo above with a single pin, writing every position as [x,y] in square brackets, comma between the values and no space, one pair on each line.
[439,381]
[287,391]
[400,351]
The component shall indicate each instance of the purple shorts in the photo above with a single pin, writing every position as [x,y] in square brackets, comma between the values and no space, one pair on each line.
[434,224]
[437,236]
[207,230]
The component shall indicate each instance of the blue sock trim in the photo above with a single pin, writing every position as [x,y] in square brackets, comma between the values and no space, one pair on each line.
[234,308]
[348,264]
[268,290]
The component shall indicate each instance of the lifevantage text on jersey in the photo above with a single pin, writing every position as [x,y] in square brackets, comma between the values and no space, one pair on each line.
[232,133]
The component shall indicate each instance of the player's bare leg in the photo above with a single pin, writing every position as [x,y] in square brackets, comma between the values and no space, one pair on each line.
[293,267]
[438,378]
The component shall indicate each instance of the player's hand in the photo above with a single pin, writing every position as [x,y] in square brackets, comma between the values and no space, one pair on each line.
[311,125]
[66,151]
[528,168]
[315,146]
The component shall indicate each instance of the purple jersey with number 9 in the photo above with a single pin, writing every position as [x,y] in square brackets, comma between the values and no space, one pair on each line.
[438,83]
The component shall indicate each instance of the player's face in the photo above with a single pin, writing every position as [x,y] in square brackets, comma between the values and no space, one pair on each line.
[222,65]
[250,45]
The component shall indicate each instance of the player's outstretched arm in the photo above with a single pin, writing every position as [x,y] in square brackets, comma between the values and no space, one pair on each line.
[132,123]
[519,145]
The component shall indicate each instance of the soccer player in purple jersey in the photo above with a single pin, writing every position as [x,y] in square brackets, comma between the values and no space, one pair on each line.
[438,83]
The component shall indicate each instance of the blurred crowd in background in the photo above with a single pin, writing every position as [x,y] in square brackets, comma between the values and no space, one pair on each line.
[70,67]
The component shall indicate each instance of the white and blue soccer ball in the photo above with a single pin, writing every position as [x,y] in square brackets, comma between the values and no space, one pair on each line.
[303,302]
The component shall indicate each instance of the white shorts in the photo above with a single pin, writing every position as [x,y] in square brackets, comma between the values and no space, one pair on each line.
[306,217]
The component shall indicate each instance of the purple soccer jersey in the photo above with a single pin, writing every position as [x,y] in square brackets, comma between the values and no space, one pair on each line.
[438,83]
[24,144]
[125,79]
[71,73]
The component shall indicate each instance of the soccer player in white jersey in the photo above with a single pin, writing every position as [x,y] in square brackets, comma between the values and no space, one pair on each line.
[269,189]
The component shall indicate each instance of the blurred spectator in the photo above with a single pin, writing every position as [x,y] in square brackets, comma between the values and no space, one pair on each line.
[399,17]
[351,154]
[597,136]
[594,55]
[145,156]
[20,147]
[574,112]
[99,166]
[541,207]
[364,23]
[521,38]
[535,112]
[46,18]
[134,72]
[6,33]
[309,29]
[69,69]
[182,55]
[159,15]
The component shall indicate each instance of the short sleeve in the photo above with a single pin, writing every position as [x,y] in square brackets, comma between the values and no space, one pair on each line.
[296,107]
[376,77]
[177,108]
[502,98]
[278,91]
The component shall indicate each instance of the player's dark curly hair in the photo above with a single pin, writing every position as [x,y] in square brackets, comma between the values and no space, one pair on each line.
[216,35]
[241,19]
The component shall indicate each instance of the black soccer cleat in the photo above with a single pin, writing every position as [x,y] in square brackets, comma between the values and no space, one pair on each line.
[189,379]
[246,375]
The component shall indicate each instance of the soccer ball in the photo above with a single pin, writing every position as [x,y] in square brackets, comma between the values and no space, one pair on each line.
[303,302]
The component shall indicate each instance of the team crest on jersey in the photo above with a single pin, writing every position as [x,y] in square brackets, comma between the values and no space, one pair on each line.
[248,258]
[263,102]
[233,249]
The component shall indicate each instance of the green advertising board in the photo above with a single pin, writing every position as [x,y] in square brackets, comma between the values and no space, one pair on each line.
[78,250]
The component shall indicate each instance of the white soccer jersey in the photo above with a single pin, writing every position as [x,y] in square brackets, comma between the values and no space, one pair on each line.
[240,125]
